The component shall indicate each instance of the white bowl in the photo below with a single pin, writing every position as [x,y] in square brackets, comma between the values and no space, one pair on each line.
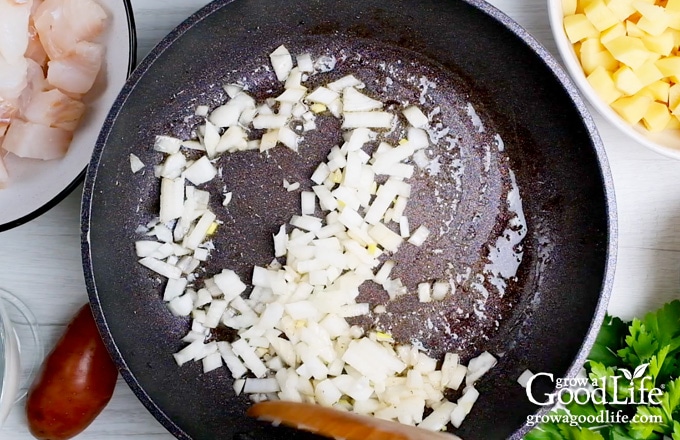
[35,185]
[666,142]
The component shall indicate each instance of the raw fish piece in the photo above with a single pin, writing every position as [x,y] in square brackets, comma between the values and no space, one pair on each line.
[54,109]
[61,24]
[7,111]
[4,175]
[35,50]
[36,84]
[86,18]
[53,30]
[35,141]
[3,130]
[13,78]
[13,24]
[77,72]
[34,7]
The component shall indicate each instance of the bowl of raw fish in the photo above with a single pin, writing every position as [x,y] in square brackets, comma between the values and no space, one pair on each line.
[58,79]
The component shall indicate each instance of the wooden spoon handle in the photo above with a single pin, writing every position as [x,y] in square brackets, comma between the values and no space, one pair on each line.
[333,423]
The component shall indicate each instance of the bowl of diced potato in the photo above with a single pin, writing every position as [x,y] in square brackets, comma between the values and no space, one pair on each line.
[624,56]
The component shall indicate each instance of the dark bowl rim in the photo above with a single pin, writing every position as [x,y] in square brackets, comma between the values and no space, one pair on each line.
[132,62]
[548,59]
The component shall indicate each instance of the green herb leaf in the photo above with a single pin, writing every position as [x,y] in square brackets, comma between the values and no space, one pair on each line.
[676,430]
[620,356]
[647,430]
[664,324]
[670,400]
[610,339]
[642,345]
[656,364]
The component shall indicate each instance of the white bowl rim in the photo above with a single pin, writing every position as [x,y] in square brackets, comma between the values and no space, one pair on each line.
[566,50]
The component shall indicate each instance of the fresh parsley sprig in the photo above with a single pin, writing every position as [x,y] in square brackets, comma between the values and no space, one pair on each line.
[649,346]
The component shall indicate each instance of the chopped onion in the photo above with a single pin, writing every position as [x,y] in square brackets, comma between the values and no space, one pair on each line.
[523,378]
[404,230]
[419,235]
[263,121]
[249,357]
[200,172]
[211,139]
[268,385]
[322,95]
[282,62]
[355,101]
[307,202]
[439,418]
[201,110]
[172,199]
[344,82]
[415,116]
[367,120]
[424,292]
[200,231]
[162,268]
[211,362]
[305,63]
[292,331]
[174,288]
[478,366]
[439,290]
[135,163]
[167,144]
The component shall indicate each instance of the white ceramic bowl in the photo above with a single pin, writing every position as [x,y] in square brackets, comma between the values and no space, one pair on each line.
[36,186]
[666,142]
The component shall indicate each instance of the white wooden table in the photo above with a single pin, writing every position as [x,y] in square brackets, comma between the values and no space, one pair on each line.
[40,261]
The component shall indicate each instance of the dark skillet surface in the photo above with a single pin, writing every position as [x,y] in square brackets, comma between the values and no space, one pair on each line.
[565,277]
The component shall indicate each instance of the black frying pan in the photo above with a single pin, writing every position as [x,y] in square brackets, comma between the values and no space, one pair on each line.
[549,315]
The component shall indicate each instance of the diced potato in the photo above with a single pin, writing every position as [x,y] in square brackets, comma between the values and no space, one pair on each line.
[621,8]
[662,44]
[578,28]
[600,15]
[581,5]
[633,30]
[577,49]
[626,81]
[618,30]
[604,86]
[648,73]
[670,67]
[569,7]
[654,20]
[593,54]
[658,91]
[591,45]
[604,59]
[632,108]
[674,123]
[657,117]
[673,96]
[674,19]
[630,51]
[653,57]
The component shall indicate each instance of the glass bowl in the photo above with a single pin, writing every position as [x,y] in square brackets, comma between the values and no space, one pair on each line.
[21,351]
